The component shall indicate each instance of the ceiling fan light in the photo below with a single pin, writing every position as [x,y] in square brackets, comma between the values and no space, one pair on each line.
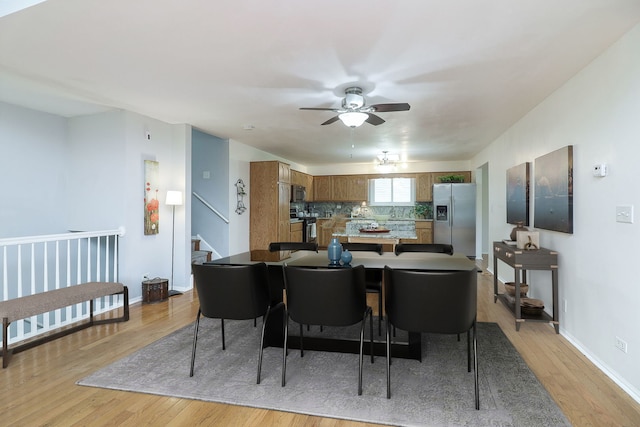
[353,119]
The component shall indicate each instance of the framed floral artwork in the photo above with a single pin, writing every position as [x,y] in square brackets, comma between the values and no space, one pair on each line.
[151,203]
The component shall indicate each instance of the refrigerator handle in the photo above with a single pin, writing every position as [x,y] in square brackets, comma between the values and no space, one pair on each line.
[453,204]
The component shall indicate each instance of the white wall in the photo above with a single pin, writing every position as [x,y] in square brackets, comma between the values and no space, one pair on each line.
[106,190]
[33,147]
[597,112]
[240,157]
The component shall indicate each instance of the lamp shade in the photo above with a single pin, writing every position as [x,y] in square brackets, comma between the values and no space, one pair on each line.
[353,119]
[174,197]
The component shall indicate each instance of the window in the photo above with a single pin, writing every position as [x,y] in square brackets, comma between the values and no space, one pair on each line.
[392,192]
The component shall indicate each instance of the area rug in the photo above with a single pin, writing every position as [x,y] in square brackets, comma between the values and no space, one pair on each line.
[435,392]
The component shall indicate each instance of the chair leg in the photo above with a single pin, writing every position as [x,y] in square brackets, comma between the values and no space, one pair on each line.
[371,332]
[222,328]
[380,313]
[284,347]
[264,325]
[363,324]
[475,365]
[468,350]
[195,340]
[388,345]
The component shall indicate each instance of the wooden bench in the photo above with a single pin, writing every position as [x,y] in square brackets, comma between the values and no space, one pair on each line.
[44,302]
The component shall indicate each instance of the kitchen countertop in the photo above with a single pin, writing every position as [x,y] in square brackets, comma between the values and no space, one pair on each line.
[390,235]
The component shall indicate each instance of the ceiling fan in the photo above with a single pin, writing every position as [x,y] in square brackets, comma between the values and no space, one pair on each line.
[354,111]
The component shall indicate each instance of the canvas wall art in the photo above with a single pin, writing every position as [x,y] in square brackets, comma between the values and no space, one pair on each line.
[151,203]
[553,199]
[518,194]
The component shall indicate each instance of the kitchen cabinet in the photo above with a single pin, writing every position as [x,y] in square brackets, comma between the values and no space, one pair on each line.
[424,231]
[326,227]
[349,188]
[322,188]
[270,191]
[324,230]
[305,180]
[355,188]
[284,172]
[296,232]
[424,187]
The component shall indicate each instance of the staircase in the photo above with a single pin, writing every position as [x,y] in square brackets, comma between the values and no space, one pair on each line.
[198,256]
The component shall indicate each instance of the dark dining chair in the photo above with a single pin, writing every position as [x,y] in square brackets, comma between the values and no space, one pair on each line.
[326,296]
[373,278]
[236,292]
[293,246]
[439,248]
[443,302]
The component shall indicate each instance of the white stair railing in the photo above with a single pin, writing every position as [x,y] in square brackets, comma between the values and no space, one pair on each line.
[37,264]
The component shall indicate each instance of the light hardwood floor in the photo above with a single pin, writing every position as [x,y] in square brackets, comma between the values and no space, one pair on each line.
[38,388]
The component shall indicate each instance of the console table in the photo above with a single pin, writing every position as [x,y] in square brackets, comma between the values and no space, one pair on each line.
[522,260]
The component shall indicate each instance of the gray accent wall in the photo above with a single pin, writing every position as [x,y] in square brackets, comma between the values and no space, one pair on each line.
[210,157]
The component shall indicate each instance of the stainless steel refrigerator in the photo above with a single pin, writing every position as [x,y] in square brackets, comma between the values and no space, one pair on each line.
[454,217]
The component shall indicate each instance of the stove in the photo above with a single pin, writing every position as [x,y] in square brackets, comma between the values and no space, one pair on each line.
[309,233]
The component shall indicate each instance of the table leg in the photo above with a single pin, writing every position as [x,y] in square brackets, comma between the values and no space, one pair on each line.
[554,284]
[518,311]
[495,278]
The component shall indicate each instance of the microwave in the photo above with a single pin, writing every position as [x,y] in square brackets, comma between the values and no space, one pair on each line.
[298,193]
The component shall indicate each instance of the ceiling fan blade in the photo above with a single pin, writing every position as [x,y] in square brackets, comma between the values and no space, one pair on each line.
[374,120]
[331,120]
[382,108]
[319,109]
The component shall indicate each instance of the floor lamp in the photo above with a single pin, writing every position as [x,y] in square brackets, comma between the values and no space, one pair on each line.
[174,198]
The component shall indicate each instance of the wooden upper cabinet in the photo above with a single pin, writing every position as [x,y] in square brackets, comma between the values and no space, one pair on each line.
[423,187]
[297,178]
[305,180]
[284,173]
[322,188]
[350,188]
[309,186]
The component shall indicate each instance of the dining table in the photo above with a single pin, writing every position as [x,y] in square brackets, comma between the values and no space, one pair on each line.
[411,348]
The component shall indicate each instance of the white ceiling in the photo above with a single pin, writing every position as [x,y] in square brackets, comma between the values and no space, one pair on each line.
[468,68]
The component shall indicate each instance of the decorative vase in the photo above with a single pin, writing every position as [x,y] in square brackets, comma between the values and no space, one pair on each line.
[334,251]
[346,257]
[519,227]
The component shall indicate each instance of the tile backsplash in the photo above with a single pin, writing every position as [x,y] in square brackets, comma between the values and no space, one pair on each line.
[347,209]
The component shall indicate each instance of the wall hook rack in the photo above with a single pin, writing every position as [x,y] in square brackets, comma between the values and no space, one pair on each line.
[240,193]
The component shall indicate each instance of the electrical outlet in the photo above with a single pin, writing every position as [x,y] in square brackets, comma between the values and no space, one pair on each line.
[621,344]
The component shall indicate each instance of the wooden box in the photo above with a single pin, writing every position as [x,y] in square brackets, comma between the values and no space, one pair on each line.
[155,290]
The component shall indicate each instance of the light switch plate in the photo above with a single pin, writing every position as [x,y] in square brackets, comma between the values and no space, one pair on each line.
[624,214]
